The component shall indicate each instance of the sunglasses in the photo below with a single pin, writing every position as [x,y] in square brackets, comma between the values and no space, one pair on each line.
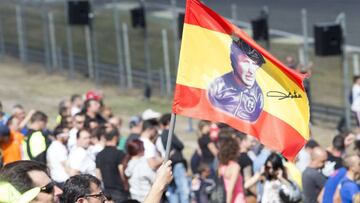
[100,196]
[49,188]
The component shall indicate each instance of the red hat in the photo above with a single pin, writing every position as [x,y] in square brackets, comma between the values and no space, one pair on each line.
[93,95]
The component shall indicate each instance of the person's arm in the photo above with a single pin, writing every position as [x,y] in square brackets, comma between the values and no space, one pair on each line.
[155,162]
[98,174]
[249,183]
[26,119]
[337,197]
[121,171]
[320,196]
[213,149]
[163,178]
[234,171]
[74,172]
[282,179]
[177,144]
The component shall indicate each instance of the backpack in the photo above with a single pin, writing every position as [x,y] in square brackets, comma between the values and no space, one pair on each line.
[219,193]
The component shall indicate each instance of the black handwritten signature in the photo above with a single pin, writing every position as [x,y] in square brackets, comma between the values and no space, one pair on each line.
[282,95]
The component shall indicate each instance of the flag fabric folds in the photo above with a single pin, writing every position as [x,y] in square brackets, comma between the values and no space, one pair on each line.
[224,76]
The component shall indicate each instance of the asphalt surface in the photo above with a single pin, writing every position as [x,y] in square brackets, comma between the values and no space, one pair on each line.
[285,15]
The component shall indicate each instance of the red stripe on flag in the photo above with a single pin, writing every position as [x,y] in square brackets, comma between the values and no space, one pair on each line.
[200,15]
[193,102]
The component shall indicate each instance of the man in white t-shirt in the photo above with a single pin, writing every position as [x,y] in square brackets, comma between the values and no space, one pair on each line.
[80,161]
[148,137]
[78,123]
[57,155]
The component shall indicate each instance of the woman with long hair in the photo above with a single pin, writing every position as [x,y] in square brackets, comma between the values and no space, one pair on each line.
[277,186]
[229,170]
[138,173]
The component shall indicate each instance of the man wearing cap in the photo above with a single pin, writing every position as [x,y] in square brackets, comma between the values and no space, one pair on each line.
[237,92]
[135,126]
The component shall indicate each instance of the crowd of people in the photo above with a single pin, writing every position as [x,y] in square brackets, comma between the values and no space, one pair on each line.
[87,158]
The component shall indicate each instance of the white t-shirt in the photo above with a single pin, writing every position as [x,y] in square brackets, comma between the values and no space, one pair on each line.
[56,156]
[72,138]
[80,159]
[94,150]
[149,148]
[75,110]
[356,98]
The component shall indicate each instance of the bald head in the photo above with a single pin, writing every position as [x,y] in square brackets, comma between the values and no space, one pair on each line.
[317,153]
[352,163]
[318,157]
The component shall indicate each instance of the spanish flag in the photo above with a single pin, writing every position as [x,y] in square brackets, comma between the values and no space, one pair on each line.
[224,76]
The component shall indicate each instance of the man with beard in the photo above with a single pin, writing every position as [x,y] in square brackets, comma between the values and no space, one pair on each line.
[57,156]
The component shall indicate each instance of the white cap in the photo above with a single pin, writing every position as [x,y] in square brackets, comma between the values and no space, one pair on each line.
[150,114]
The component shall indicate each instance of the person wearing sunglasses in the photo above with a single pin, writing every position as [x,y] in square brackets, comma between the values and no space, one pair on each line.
[83,188]
[25,175]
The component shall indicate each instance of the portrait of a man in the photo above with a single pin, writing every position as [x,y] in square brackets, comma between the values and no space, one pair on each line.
[237,92]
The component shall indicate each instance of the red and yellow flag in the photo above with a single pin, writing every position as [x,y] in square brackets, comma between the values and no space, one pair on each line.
[224,76]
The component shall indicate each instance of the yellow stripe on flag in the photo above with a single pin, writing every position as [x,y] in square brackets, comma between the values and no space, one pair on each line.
[205,55]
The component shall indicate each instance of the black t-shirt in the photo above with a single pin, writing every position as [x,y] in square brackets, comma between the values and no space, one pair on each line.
[244,161]
[108,161]
[207,156]
[335,159]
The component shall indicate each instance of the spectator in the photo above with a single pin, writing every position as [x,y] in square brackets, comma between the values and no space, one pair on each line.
[80,160]
[83,188]
[229,170]
[349,186]
[64,110]
[25,175]
[335,152]
[97,141]
[106,112]
[57,156]
[277,186]
[4,138]
[328,193]
[76,104]
[179,191]
[304,156]
[109,167]
[37,142]
[11,148]
[116,122]
[207,147]
[18,112]
[246,166]
[355,106]
[312,179]
[92,112]
[3,116]
[138,171]
[148,136]
[135,126]
[78,124]
[202,185]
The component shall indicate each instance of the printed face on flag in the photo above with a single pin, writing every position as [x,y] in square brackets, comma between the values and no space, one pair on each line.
[245,70]
[237,92]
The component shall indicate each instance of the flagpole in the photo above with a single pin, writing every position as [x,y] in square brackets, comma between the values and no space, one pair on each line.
[170,135]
